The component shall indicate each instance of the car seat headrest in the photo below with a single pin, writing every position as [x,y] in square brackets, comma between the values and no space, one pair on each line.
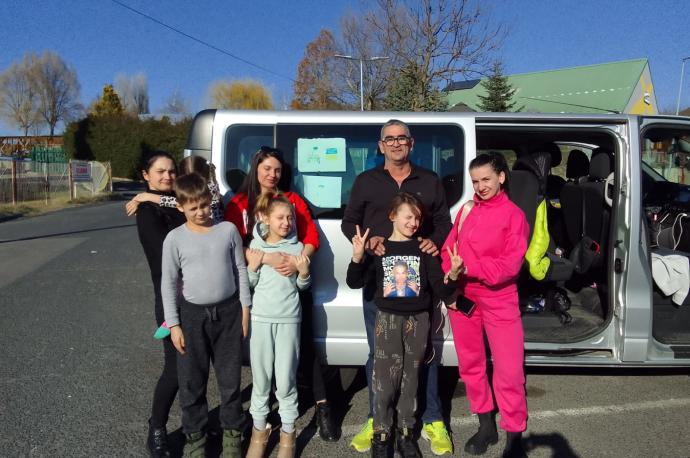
[552,149]
[537,163]
[600,166]
[577,166]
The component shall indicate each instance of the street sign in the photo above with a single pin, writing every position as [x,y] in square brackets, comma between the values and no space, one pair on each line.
[81,171]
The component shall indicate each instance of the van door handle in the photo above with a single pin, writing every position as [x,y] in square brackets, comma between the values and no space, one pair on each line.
[618,265]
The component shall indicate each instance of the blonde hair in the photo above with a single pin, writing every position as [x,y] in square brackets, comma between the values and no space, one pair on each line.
[268,200]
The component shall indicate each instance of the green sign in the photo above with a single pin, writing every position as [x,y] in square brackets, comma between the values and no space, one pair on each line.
[48,154]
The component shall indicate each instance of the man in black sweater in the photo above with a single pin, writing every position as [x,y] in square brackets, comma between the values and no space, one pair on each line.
[370,198]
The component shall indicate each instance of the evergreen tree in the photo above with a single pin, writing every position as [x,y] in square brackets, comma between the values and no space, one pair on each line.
[499,93]
[108,104]
[407,92]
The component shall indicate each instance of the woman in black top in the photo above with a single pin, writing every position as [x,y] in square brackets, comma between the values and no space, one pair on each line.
[153,224]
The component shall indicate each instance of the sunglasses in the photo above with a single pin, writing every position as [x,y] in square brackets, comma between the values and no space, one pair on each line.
[268,149]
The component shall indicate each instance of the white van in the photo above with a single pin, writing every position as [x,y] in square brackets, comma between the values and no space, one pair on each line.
[620,182]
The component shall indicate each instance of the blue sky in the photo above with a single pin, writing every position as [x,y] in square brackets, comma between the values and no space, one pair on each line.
[101,39]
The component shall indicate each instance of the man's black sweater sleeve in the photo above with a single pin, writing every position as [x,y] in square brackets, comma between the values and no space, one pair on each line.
[435,277]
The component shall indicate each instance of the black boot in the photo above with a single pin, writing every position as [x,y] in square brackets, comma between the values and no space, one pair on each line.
[157,442]
[487,435]
[382,445]
[324,421]
[406,444]
[514,447]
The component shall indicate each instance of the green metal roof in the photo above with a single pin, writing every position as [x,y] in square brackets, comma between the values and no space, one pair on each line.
[598,88]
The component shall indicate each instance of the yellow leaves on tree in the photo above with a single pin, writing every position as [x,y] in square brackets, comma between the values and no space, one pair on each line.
[240,95]
[108,104]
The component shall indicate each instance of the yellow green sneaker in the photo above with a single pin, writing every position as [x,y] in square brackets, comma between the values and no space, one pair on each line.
[438,437]
[362,440]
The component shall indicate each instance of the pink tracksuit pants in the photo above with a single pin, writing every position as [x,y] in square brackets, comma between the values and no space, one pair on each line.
[500,318]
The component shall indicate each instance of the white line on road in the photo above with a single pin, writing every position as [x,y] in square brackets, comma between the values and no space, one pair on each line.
[351,430]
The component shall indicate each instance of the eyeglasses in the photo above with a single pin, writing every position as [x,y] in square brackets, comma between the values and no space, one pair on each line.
[401,139]
[268,149]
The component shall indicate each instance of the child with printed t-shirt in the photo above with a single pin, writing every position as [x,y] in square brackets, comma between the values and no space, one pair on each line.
[405,279]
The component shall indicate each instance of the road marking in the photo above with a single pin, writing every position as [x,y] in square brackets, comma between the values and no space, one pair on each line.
[351,430]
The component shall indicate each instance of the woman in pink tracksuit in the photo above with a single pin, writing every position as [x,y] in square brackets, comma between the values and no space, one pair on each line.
[491,243]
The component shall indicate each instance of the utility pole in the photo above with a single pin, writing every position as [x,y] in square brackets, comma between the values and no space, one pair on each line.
[361,72]
[680,86]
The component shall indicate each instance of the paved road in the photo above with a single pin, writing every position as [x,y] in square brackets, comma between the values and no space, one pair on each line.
[77,362]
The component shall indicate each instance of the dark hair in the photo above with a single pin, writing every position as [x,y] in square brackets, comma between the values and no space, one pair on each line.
[148,159]
[250,186]
[191,187]
[268,201]
[403,198]
[395,122]
[496,161]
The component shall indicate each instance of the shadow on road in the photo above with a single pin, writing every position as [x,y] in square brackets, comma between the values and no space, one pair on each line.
[558,444]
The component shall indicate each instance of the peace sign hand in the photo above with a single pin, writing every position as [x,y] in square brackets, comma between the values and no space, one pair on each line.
[456,262]
[358,244]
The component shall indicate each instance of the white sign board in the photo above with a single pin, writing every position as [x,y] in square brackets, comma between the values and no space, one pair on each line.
[321,155]
[81,171]
[323,191]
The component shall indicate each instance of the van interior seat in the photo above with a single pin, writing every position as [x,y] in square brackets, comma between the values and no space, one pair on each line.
[554,183]
[577,165]
[577,170]
[596,212]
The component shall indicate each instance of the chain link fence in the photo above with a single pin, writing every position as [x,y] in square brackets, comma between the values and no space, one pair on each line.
[26,180]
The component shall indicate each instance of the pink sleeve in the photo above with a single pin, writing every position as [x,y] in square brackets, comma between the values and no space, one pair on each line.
[497,270]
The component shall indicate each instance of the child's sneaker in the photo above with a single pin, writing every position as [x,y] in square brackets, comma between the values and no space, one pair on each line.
[407,445]
[438,437]
[381,445]
[195,447]
[362,440]
[232,444]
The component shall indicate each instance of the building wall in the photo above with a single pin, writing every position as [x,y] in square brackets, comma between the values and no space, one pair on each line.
[643,99]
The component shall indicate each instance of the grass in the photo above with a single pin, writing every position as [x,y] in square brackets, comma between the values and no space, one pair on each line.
[39,207]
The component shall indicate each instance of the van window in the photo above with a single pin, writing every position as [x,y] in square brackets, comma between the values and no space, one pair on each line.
[325,159]
[241,142]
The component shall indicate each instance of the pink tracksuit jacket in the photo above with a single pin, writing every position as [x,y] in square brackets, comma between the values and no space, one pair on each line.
[492,243]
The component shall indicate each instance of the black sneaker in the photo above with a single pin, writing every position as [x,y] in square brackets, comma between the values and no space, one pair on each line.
[382,445]
[157,442]
[407,444]
[485,436]
[324,421]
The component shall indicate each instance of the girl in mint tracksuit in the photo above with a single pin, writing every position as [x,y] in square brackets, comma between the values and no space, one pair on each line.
[276,316]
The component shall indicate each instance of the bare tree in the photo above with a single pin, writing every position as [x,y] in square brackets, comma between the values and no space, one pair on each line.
[175,104]
[440,38]
[133,92]
[57,88]
[18,98]
[315,87]
[359,40]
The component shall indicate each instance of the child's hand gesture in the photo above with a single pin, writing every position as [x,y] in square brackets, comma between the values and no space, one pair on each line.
[456,262]
[358,244]
[302,265]
[254,259]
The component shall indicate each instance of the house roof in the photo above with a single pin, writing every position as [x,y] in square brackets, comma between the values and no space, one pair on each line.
[600,88]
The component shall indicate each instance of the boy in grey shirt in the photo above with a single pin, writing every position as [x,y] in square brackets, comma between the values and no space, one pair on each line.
[205,320]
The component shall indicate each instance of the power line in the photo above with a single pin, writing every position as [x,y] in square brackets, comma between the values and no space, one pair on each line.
[209,45]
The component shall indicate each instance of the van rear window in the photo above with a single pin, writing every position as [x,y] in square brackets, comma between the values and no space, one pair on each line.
[324,159]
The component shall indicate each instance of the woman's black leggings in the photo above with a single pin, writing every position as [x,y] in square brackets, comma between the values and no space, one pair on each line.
[166,388]
[311,367]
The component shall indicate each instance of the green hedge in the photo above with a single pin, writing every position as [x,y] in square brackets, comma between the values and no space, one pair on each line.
[123,139]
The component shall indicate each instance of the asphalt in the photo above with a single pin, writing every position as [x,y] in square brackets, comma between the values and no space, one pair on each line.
[78,364]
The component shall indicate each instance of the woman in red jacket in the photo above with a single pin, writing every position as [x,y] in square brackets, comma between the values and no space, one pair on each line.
[491,241]
[266,175]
